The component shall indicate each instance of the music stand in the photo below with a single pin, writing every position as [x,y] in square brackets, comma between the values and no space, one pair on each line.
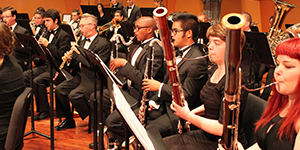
[202,32]
[69,30]
[147,11]
[25,24]
[37,50]
[91,9]
[22,16]
[127,28]
[108,13]
[257,50]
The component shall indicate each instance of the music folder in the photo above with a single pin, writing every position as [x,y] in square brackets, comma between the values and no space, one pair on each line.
[36,50]
[257,49]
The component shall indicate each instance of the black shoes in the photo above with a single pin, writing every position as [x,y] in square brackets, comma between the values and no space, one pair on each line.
[66,124]
[42,115]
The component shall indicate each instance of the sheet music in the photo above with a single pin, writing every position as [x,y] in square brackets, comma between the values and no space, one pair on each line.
[132,121]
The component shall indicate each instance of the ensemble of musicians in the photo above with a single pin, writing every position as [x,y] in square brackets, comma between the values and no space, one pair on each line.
[123,42]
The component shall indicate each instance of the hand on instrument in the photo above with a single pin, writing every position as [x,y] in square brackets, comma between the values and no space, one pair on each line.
[117,62]
[75,49]
[150,85]
[43,41]
[180,111]
[239,146]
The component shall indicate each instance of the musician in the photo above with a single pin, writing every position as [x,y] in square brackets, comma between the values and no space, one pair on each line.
[192,73]
[209,116]
[42,9]
[116,28]
[101,18]
[279,125]
[158,3]
[75,19]
[132,12]
[58,42]
[202,17]
[81,86]
[38,27]
[9,17]
[134,70]
[115,5]
[11,82]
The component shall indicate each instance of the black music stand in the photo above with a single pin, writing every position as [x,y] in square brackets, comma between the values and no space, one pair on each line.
[203,26]
[25,24]
[37,50]
[257,50]
[22,16]
[108,13]
[147,11]
[127,28]
[91,9]
[69,30]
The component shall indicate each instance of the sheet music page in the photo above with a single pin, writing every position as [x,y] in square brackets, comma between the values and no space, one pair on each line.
[133,122]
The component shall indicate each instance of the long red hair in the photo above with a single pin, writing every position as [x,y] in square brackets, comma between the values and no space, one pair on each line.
[278,102]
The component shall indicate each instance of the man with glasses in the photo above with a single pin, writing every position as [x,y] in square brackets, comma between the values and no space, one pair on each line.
[9,17]
[58,42]
[81,86]
[133,69]
[192,73]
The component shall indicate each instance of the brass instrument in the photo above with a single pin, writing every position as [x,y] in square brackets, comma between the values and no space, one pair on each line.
[233,22]
[276,35]
[66,58]
[114,22]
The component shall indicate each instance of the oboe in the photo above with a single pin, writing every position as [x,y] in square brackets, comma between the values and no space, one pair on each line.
[233,22]
[178,94]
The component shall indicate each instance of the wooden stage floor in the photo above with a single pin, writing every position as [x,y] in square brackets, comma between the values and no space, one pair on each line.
[69,139]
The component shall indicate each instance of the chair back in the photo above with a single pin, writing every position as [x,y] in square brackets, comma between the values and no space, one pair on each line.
[253,111]
[16,128]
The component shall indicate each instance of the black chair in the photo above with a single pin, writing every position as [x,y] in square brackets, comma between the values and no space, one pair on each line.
[253,111]
[16,128]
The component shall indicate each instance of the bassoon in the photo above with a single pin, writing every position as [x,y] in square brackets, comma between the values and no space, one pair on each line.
[165,36]
[231,102]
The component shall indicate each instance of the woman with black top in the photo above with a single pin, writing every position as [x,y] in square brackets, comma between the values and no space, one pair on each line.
[101,18]
[209,116]
[11,80]
[279,126]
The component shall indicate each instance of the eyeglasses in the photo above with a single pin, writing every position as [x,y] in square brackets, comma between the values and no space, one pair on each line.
[82,25]
[174,31]
[139,28]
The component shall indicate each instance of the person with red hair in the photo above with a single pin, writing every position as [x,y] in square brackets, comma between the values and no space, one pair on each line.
[279,125]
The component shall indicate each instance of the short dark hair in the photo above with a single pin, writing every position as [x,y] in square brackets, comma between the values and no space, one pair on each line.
[11,9]
[188,22]
[38,12]
[120,12]
[42,9]
[53,14]
[77,11]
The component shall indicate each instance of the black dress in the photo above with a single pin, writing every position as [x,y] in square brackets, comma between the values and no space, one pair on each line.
[270,140]
[211,95]
[11,86]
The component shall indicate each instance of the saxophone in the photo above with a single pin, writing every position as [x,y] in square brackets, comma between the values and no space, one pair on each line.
[233,22]
[276,35]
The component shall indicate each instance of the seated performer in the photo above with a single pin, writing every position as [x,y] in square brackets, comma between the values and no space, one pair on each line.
[132,12]
[209,116]
[9,17]
[117,29]
[58,42]
[11,81]
[115,5]
[75,21]
[81,86]
[134,69]
[192,73]
[37,27]
[101,18]
[279,125]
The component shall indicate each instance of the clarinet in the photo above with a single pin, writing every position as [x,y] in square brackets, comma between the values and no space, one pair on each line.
[66,59]
[231,102]
[147,75]
[178,93]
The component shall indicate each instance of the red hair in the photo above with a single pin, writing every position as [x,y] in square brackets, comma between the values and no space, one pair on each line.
[278,102]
